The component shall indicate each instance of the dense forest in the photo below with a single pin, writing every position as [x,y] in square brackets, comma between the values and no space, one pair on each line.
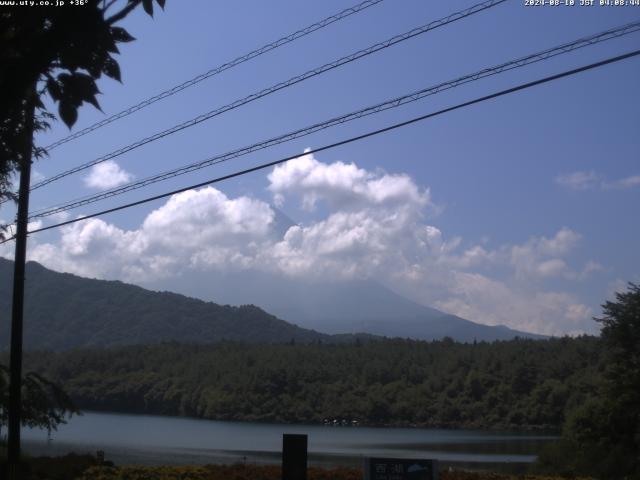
[519,383]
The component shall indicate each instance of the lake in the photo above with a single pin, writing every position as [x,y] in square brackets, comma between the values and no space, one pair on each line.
[155,440]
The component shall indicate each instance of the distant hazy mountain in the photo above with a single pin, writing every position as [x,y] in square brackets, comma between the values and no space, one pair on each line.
[336,307]
[64,311]
[332,307]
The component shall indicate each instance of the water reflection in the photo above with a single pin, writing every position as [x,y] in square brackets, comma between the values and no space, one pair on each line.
[154,440]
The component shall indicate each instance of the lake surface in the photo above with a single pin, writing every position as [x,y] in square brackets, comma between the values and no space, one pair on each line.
[155,440]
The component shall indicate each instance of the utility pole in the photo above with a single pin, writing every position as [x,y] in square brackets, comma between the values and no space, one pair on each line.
[17,307]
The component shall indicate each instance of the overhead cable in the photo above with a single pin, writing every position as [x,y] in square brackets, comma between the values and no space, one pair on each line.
[395,126]
[279,86]
[219,69]
[386,105]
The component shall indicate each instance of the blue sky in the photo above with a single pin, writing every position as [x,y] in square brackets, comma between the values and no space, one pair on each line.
[528,201]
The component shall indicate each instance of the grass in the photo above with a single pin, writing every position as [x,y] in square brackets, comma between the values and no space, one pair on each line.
[266,472]
[85,467]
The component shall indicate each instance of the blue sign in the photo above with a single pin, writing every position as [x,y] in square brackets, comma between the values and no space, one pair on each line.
[400,469]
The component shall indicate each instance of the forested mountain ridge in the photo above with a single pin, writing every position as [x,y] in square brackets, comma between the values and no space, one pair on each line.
[64,311]
[519,384]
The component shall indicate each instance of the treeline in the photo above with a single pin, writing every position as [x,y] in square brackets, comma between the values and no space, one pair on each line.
[514,384]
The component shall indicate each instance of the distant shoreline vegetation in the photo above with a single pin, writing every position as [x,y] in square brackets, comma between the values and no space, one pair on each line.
[507,385]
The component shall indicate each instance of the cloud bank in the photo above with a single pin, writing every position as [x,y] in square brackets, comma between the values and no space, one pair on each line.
[373,225]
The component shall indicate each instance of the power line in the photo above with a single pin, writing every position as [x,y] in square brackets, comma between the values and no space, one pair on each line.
[386,105]
[395,126]
[279,86]
[219,69]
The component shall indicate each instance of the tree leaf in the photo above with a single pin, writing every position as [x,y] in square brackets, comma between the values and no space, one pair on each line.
[68,113]
[85,84]
[54,89]
[82,88]
[105,39]
[93,101]
[112,69]
[148,6]
[94,68]
[119,34]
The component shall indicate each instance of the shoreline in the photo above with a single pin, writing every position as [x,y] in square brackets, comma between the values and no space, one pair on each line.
[161,440]
[547,431]
[123,456]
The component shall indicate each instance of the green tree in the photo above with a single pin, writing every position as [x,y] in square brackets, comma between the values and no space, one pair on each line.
[621,334]
[601,437]
[45,405]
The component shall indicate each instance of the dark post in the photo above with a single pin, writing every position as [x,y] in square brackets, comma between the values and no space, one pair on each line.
[15,358]
[294,457]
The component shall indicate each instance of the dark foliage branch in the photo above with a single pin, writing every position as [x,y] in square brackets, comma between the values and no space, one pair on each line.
[61,52]
[45,404]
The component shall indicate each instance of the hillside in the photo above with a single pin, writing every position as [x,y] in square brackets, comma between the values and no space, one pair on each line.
[64,311]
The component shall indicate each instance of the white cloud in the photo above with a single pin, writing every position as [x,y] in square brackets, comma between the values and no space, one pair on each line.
[579,180]
[627,182]
[551,268]
[36,177]
[349,244]
[591,180]
[14,179]
[107,175]
[495,303]
[375,228]
[194,217]
[561,243]
[193,229]
[475,256]
[590,267]
[539,257]
[60,217]
[343,185]
[616,286]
